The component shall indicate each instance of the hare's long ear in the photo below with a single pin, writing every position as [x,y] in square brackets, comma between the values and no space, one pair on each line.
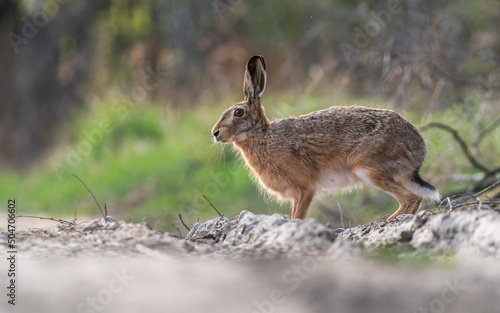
[255,78]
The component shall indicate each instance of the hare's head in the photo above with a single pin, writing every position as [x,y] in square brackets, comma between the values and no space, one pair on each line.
[247,118]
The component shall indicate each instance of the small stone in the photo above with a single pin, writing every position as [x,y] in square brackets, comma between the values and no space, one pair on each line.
[406,236]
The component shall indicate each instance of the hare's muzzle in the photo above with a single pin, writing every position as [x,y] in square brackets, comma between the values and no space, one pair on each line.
[216,134]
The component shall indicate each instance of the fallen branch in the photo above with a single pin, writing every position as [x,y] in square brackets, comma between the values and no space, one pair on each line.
[477,202]
[49,218]
[470,199]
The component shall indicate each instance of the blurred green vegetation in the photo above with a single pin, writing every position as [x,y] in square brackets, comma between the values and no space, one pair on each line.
[401,254]
[148,159]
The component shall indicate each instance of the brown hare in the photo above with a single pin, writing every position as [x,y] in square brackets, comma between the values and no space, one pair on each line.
[331,149]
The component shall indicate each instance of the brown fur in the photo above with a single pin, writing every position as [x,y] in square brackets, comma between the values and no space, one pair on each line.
[334,148]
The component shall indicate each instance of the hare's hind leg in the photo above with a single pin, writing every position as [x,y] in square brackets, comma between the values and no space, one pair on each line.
[407,205]
[301,203]
[409,202]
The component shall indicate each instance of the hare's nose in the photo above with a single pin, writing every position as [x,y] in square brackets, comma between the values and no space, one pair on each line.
[216,133]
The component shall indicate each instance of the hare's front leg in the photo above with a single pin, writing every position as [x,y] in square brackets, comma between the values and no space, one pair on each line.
[301,204]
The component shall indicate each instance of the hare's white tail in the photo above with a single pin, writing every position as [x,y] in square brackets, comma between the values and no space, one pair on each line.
[423,188]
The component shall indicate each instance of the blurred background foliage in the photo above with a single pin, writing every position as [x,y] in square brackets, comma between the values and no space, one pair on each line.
[123,93]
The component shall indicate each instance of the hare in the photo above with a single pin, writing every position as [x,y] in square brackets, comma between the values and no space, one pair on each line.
[332,149]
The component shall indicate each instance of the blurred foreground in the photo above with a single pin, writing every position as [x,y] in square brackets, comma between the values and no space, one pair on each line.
[259,263]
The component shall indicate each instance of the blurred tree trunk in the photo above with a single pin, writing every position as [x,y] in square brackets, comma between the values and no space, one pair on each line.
[45,70]
[7,22]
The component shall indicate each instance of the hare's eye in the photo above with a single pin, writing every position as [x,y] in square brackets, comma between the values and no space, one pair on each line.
[238,112]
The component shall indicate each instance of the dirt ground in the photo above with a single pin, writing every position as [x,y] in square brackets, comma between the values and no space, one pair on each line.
[257,263]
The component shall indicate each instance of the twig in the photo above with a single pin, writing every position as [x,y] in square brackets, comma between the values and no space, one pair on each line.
[479,204]
[486,189]
[461,143]
[98,205]
[471,203]
[182,222]
[151,220]
[48,218]
[180,234]
[212,205]
[105,210]
[218,220]
[449,204]
[76,207]
[341,214]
